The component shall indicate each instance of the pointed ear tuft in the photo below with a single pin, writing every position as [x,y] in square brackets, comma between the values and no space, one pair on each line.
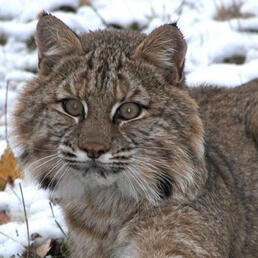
[173,24]
[54,40]
[43,13]
[165,48]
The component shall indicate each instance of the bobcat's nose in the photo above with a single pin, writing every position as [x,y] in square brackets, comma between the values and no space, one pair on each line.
[94,150]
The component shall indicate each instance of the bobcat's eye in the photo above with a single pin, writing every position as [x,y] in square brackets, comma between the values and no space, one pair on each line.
[129,110]
[73,107]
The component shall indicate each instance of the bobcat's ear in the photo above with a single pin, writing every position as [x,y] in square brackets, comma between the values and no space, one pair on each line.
[54,40]
[165,48]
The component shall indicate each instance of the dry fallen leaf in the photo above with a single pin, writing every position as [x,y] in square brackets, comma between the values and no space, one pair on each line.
[9,169]
[43,249]
[3,218]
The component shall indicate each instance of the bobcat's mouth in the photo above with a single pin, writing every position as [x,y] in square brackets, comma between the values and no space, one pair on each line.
[94,166]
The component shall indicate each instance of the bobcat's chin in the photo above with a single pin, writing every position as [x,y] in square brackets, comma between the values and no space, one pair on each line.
[84,180]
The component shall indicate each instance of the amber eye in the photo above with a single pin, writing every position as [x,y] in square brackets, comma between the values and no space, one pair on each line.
[73,107]
[129,110]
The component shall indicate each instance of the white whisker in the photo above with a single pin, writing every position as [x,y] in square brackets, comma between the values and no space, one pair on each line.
[54,166]
[59,171]
[147,189]
[39,160]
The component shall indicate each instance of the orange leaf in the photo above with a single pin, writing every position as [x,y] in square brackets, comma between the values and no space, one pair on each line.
[9,169]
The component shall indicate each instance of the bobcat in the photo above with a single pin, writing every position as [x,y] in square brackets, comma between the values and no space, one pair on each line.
[110,128]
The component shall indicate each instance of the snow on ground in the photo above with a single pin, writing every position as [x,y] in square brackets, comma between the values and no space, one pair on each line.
[41,219]
[210,44]
[42,215]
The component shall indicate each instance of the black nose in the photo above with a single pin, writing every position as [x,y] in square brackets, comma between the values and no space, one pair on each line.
[94,150]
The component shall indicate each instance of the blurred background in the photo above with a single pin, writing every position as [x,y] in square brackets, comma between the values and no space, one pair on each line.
[222,38]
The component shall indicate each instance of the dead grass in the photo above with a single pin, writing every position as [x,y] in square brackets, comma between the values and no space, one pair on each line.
[65,8]
[233,11]
[3,40]
[85,2]
[31,44]
[234,60]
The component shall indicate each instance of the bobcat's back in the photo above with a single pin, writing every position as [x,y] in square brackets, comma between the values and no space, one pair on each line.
[230,117]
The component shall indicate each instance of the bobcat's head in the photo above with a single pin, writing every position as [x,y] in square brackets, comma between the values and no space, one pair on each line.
[108,111]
